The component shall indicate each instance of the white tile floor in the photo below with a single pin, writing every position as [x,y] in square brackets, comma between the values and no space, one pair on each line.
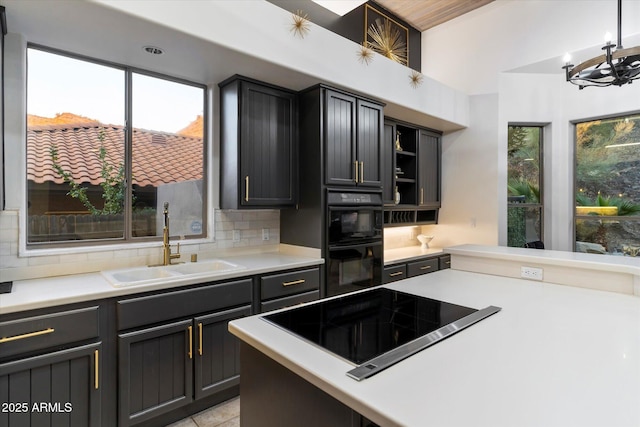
[226,414]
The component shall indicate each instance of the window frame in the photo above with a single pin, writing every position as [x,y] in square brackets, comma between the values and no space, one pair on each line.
[127,237]
[541,173]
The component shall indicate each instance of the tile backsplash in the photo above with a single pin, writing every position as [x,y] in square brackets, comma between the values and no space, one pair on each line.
[248,226]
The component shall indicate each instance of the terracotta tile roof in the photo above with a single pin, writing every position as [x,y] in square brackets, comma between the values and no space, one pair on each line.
[158,158]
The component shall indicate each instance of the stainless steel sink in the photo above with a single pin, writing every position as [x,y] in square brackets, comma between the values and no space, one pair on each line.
[167,273]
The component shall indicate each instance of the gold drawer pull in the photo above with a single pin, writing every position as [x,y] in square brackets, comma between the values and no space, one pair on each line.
[426,267]
[29,335]
[361,172]
[356,163]
[293,282]
[200,343]
[190,330]
[246,188]
[96,356]
[397,273]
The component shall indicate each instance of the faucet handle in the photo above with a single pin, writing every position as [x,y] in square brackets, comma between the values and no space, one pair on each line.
[177,253]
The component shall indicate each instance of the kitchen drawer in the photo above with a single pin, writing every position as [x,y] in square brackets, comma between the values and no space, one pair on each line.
[393,273]
[422,267]
[289,301]
[151,309]
[445,262]
[49,330]
[295,282]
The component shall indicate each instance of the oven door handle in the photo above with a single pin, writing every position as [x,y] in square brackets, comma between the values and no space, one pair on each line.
[364,244]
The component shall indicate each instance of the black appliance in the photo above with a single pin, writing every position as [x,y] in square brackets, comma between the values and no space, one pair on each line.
[354,241]
[377,328]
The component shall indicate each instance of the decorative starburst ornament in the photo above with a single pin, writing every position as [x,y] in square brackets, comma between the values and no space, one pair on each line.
[365,55]
[300,26]
[415,78]
[387,41]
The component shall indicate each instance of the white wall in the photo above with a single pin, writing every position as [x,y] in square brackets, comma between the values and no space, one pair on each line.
[474,53]
[468,52]
[470,200]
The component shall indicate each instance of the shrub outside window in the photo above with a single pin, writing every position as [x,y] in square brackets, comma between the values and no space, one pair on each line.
[607,186]
[81,156]
[524,186]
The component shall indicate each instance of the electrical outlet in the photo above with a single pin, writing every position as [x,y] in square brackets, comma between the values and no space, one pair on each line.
[236,236]
[532,273]
[265,234]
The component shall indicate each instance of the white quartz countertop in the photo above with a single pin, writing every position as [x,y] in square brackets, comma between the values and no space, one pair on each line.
[623,264]
[52,291]
[409,253]
[554,356]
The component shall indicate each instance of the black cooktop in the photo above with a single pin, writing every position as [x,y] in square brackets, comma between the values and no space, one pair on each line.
[360,327]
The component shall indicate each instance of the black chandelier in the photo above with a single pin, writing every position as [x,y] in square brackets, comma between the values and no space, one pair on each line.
[616,67]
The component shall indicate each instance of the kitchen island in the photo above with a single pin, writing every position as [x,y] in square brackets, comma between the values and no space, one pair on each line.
[553,356]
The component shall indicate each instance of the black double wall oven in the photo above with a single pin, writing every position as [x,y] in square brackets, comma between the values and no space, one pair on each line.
[354,241]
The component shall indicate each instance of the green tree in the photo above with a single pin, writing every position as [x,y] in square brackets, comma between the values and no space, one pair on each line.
[113,182]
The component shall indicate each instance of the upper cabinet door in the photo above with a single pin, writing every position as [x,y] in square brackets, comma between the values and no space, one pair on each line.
[258,145]
[267,151]
[340,138]
[369,150]
[429,169]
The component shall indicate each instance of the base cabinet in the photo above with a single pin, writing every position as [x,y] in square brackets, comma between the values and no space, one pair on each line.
[416,267]
[61,388]
[186,355]
[217,358]
[155,371]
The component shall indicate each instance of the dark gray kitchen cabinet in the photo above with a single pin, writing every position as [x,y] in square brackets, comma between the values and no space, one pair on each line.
[353,140]
[53,389]
[388,163]
[415,267]
[258,145]
[394,273]
[155,371]
[429,169]
[51,369]
[217,356]
[179,350]
[290,288]
[412,169]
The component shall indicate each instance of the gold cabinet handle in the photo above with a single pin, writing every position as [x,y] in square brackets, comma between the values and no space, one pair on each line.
[356,165]
[293,282]
[200,341]
[397,273]
[361,172]
[422,195]
[96,358]
[426,267]
[246,188]
[29,335]
[190,329]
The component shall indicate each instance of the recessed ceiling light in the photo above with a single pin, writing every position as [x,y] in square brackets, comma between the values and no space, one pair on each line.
[153,50]
[340,7]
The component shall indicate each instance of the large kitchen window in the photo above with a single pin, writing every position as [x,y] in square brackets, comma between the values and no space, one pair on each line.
[607,186]
[524,186]
[90,177]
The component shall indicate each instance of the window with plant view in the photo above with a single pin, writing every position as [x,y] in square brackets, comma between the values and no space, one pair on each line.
[92,178]
[524,186]
[607,188]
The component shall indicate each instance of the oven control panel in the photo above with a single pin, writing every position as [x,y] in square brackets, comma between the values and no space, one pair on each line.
[354,198]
